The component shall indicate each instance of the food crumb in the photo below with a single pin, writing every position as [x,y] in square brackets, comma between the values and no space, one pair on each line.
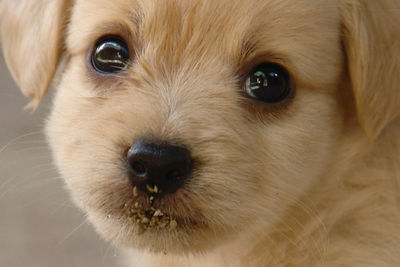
[148,218]
[153,189]
[158,213]
[134,191]
[173,224]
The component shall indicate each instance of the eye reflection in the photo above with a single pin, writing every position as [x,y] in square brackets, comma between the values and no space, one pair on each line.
[258,80]
[110,55]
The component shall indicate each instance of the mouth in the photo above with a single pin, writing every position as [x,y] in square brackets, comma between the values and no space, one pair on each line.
[148,219]
[155,213]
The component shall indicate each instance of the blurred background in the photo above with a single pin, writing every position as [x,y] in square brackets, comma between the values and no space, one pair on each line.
[39,224]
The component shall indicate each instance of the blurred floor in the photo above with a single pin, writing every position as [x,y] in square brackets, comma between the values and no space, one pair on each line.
[39,225]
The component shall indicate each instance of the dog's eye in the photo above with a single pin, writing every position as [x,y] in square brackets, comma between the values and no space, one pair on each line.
[268,82]
[110,55]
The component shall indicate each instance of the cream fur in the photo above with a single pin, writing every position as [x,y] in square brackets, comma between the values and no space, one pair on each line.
[313,181]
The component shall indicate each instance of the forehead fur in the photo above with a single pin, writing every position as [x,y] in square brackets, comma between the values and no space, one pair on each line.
[181,31]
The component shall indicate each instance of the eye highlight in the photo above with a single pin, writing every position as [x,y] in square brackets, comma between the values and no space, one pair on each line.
[268,82]
[110,55]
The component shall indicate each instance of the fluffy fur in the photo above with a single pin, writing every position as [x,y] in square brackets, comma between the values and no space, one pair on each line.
[313,181]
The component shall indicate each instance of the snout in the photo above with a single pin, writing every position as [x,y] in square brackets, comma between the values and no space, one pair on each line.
[158,168]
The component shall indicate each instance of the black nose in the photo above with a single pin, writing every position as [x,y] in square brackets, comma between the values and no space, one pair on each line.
[157,168]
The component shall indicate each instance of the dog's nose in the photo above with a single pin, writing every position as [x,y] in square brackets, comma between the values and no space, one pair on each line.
[157,168]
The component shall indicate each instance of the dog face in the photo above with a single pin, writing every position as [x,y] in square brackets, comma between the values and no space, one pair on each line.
[193,75]
[250,158]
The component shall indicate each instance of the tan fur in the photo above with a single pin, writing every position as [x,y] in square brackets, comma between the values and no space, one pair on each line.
[313,181]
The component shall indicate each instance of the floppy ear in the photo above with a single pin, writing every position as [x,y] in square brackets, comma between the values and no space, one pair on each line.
[371,37]
[31,33]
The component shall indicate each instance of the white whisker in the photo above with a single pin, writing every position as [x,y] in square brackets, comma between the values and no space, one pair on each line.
[18,138]
[72,232]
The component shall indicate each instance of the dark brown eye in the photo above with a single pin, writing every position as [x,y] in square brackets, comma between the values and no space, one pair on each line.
[110,55]
[268,83]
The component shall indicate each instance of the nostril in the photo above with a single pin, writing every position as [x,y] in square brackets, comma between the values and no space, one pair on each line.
[138,168]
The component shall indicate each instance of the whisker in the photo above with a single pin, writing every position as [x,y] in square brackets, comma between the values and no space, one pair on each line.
[33,148]
[17,159]
[18,138]
[30,177]
[50,195]
[59,206]
[320,227]
[28,142]
[72,232]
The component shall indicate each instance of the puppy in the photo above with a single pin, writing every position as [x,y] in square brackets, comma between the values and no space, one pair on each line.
[222,133]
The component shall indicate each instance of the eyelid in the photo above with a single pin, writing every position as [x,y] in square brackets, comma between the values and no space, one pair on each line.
[257,59]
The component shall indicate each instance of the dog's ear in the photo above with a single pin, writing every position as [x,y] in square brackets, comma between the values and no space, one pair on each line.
[31,34]
[371,37]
